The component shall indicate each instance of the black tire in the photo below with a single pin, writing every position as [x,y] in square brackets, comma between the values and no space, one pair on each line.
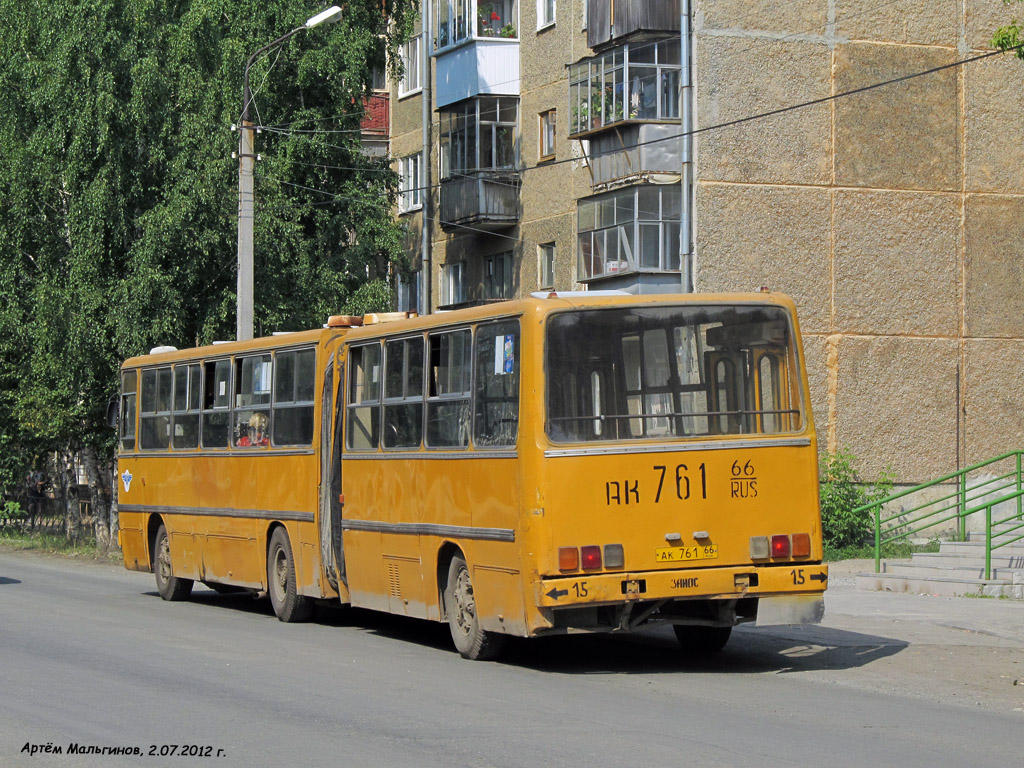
[168,585]
[471,641]
[289,605]
[702,641]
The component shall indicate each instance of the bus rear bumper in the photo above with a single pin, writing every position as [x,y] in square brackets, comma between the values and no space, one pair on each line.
[784,594]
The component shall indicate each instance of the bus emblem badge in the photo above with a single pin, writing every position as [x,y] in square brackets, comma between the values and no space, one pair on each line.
[126,477]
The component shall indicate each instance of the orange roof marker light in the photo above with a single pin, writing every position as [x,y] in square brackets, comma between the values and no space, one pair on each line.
[344,321]
[372,318]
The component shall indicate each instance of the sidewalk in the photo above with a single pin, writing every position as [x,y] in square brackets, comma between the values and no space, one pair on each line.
[900,618]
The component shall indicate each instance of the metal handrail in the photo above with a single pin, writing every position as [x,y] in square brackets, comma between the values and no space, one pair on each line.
[959,510]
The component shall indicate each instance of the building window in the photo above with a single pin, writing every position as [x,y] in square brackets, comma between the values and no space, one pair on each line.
[546,265]
[631,82]
[498,276]
[479,134]
[410,196]
[456,21]
[629,230]
[409,292]
[586,10]
[453,284]
[547,134]
[411,61]
[545,13]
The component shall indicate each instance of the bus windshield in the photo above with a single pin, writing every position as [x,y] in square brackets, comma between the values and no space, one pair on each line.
[663,372]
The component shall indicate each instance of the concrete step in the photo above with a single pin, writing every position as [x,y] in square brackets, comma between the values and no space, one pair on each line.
[950,587]
[977,548]
[997,532]
[916,570]
[954,560]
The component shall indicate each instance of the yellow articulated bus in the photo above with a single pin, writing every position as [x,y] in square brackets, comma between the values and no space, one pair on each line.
[563,463]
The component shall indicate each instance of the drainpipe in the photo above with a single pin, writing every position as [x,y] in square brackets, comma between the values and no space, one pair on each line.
[686,172]
[426,276]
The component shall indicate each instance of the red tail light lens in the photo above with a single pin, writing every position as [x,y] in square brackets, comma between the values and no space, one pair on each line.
[591,557]
[568,559]
[780,546]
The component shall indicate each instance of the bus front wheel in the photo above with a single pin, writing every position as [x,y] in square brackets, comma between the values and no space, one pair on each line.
[168,585]
[471,641]
[288,604]
[702,641]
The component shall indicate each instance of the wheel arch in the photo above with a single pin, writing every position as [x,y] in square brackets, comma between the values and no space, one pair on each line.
[447,551]
[155,521]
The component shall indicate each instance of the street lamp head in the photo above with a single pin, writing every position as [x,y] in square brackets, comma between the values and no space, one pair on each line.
[331,14]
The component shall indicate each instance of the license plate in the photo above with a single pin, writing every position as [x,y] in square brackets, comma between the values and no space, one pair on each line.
[683,554]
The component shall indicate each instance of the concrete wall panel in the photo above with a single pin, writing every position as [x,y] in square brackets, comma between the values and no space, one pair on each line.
[936,22]
[767,236]
[896,404]
[994,289]
[994,146]
[739,77]
[904,136]
[896,262]
[993,398]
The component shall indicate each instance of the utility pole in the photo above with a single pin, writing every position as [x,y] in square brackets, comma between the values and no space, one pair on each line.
[246,187]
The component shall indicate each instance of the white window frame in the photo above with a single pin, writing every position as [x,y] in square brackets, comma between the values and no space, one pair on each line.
[453,283]
[412,62]
[542,8]
[410,197]
[546,266]
[547,152]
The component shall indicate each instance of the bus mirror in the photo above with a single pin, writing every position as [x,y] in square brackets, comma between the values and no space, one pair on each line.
[112,412]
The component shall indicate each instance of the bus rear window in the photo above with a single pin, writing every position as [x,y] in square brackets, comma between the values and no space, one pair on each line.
[668,372]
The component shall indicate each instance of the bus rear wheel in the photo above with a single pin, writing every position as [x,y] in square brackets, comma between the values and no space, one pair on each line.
[471,641]
[289,605]
[702,641]
[168,585]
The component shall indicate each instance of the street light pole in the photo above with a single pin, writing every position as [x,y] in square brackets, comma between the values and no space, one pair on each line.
[246,192]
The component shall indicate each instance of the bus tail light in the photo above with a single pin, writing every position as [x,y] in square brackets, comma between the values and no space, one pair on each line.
[568,558]
[801,545]
[591,557]
[759,548]
[613,557]
[780,545]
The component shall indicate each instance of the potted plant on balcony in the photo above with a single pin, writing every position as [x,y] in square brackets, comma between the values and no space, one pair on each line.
[488,20]
[507,31]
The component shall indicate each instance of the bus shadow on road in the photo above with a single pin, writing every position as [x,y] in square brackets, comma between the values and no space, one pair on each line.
[6,580]
[778,650]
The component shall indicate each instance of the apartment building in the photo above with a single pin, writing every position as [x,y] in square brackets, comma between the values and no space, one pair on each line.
[648,146]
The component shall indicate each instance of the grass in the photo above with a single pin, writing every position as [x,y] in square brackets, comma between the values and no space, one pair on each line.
[980,596]
[57,544]
[894,549]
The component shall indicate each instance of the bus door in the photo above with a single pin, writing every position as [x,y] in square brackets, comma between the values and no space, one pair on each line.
[331,424]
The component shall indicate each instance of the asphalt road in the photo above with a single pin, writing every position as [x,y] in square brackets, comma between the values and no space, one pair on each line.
[91,656]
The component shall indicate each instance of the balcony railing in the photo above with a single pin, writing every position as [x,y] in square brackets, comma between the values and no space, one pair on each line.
[487,199]
[611,20]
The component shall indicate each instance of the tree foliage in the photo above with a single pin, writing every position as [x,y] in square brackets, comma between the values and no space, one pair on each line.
[1009,37]
[842,492]
[118,192]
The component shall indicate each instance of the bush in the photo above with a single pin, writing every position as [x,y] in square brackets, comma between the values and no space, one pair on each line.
[842,491]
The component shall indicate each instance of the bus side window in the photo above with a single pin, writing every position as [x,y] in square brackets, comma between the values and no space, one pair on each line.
[216,404]
[129,387]
[185,428]
[294,374]
[448,417]
[364,398]
[155,409]
[496,400]
[403,393]
[252,401]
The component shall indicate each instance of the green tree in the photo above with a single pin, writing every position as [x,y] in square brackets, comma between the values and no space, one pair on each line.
[118,193]
[843,491]
[1009,37]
